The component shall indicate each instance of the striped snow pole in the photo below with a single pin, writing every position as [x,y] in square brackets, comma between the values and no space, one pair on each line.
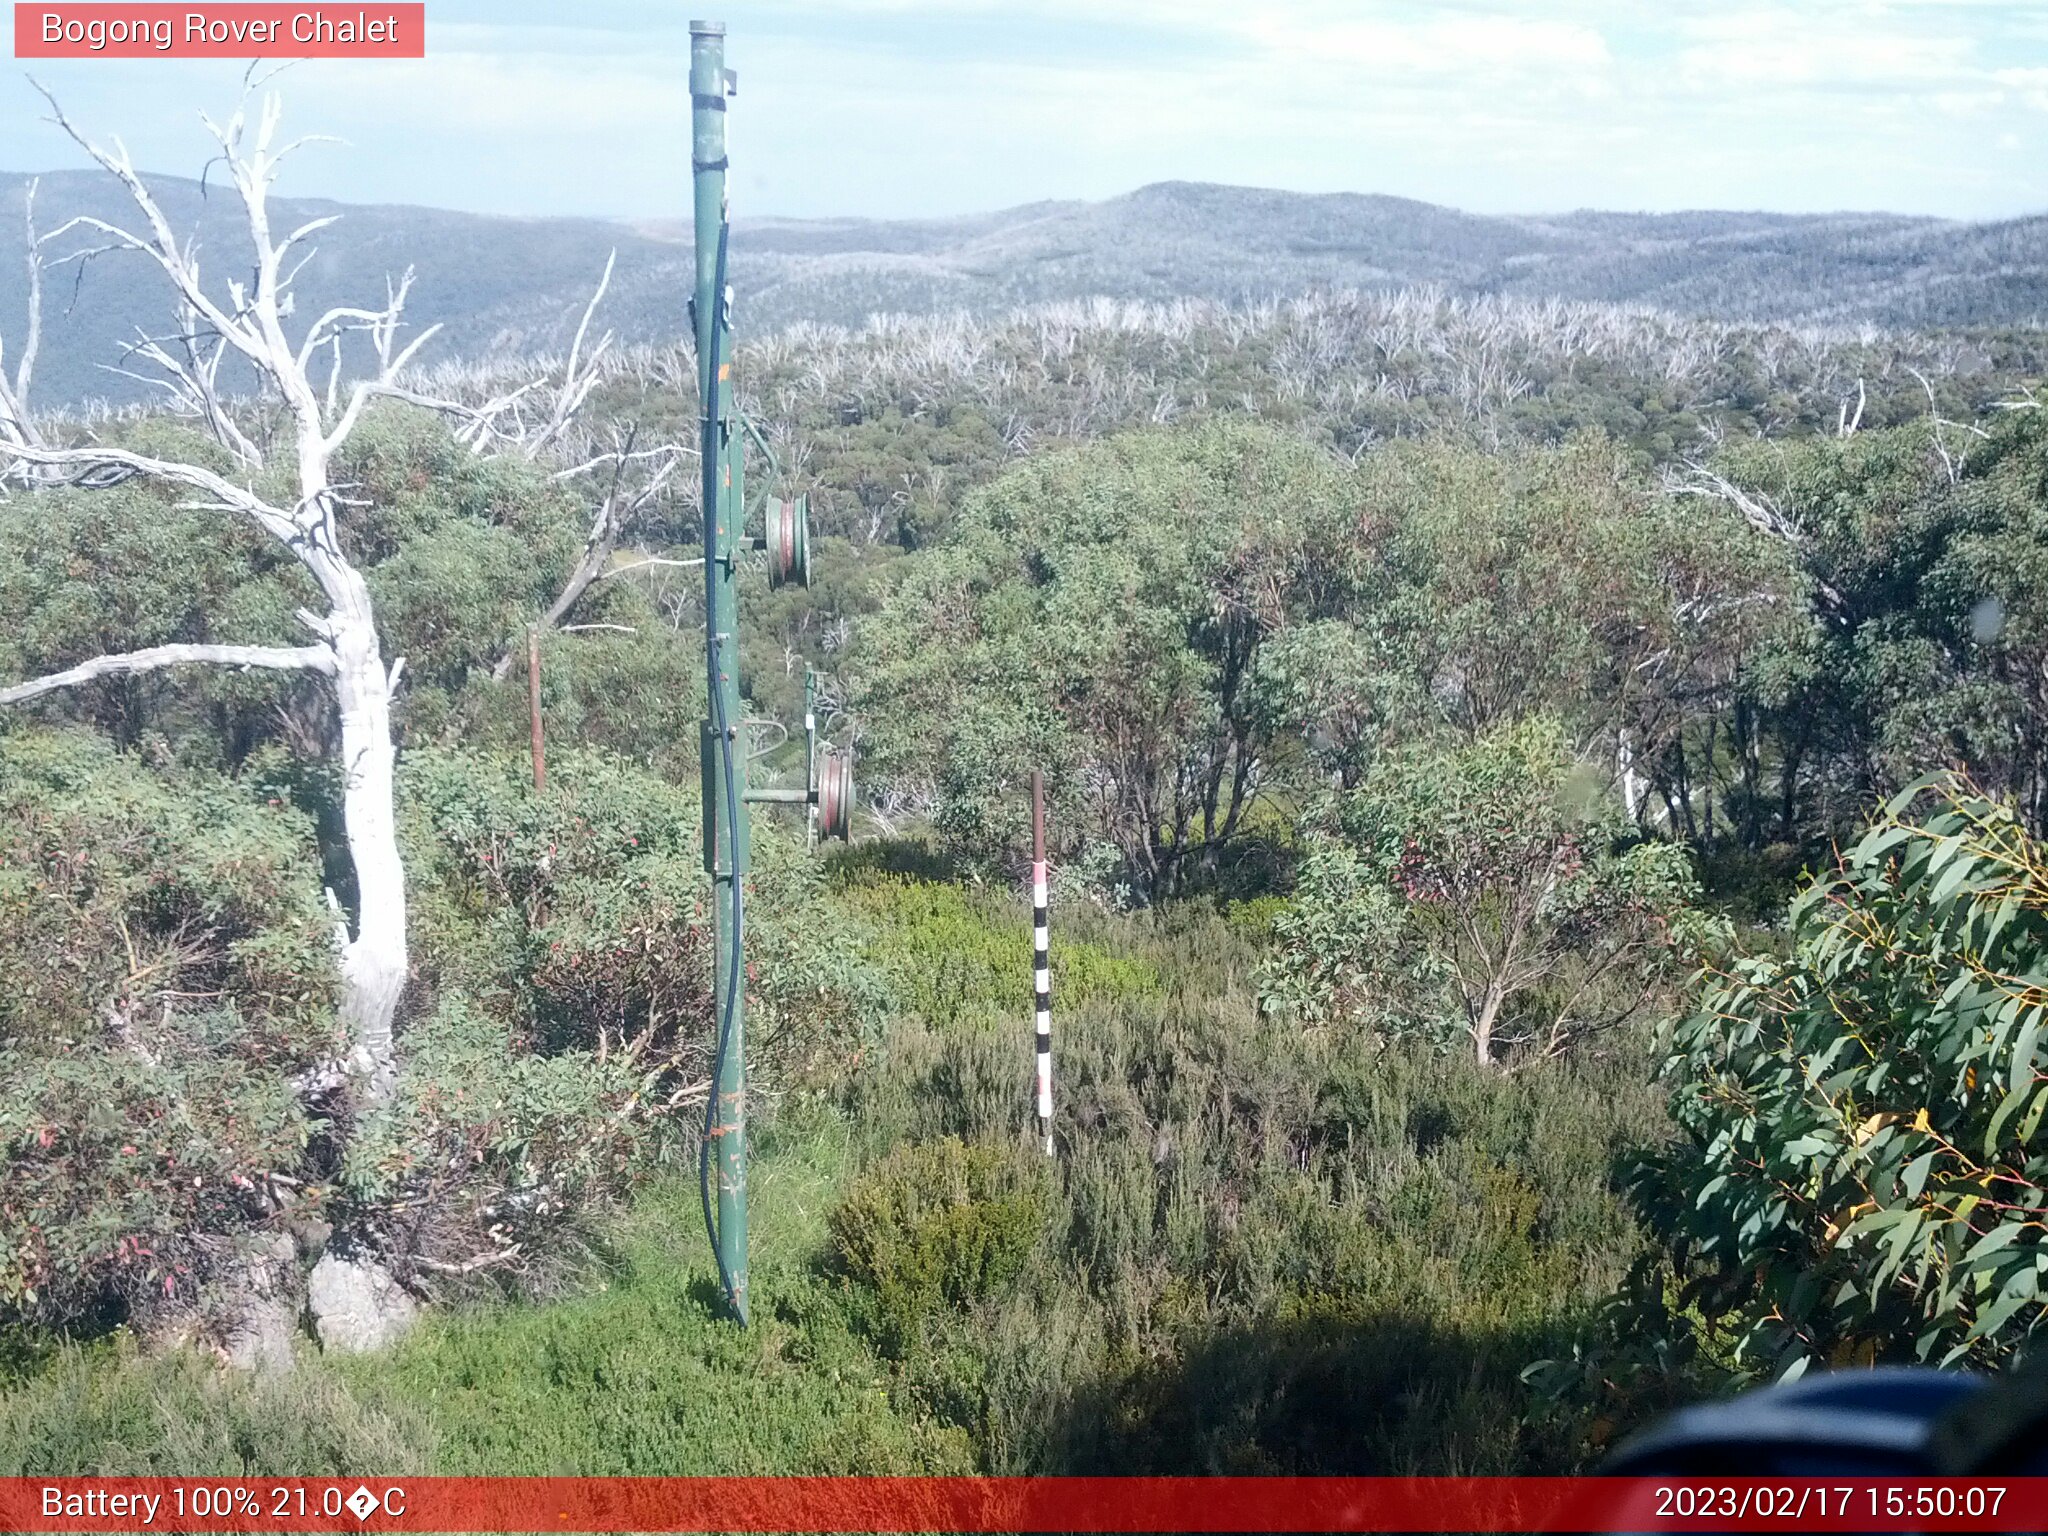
[1041,958]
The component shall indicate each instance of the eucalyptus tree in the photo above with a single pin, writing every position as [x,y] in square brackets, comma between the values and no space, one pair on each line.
[1926,644]
[1100,614]
[1858,1176]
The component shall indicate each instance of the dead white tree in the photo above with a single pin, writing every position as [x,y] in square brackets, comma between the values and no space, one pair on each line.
[15,425]
[247,320]
[1845,424]
[1951,463]
[1761,512]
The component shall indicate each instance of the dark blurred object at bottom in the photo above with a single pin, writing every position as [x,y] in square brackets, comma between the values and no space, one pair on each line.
[1884,1422]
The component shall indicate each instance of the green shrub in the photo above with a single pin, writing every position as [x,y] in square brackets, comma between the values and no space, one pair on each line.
[1860,1176]
[563,1027]
[955,955]
[639,696]
[939,1225]
[1481,890]
[166,969]
[112,1411]
[1098,611]
[639,1374]
[496,1155]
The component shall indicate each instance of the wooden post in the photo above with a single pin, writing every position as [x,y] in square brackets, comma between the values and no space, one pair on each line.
[1041,961]
[540,758]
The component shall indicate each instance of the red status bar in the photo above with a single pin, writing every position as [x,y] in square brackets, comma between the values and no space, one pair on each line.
[1124,1504]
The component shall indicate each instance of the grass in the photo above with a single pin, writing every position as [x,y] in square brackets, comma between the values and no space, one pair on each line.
[639,1376]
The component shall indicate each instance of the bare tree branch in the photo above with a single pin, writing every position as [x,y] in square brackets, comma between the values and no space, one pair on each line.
[622,504]
[192,376]
[576,387]
[97,468]
[304,658]
[1759,511]
[1951,463]
[24,371]
[648,561]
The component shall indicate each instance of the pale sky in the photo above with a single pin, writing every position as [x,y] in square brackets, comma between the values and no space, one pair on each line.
[893,108]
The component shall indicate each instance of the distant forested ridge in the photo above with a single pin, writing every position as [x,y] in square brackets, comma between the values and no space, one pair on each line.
[510,285]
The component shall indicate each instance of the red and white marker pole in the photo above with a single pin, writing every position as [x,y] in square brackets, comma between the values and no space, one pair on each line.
[1041,959]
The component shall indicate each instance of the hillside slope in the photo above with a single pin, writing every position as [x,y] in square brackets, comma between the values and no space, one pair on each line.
[501,284]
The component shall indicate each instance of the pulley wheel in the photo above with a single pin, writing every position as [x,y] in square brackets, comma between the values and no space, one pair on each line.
[788,540]
[835,795]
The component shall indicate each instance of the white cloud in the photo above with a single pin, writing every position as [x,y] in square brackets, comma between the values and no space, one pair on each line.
[1779,47]
[1442,44]
[513,93]
[902,107]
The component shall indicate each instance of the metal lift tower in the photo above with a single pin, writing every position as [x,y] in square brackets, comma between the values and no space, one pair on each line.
[828,775]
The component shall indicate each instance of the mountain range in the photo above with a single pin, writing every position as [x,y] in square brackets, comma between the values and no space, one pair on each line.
[502,285]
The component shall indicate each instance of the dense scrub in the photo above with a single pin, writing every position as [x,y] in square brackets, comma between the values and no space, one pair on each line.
[165,971]
[1258,1249]
[1437,720]
[1265,1248]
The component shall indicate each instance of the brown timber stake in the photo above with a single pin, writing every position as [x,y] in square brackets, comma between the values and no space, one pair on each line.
[540,758]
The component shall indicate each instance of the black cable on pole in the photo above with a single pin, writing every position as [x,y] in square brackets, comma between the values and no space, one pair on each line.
[732,805]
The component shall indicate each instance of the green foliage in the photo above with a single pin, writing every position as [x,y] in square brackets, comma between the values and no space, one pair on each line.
[1925,549]
[1508,586]
[461,553]
[1099,613]
[578,915]
[1484,890]
[112,1411]
[638,696]
[563,945]
[1859,1176]
[639,1375]
[955,956]
[564,955]
[1170,619]
[165,967]
[938,1224]
[490,1148]
[1225,1269]
[1245,1220]
[109,571]
[1338,939]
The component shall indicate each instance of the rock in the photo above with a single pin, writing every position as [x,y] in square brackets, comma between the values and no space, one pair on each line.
[262,1310]
[357,1307]
[311,1235]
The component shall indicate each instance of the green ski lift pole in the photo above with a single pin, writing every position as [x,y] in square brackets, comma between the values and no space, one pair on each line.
[724,756]
[786,540]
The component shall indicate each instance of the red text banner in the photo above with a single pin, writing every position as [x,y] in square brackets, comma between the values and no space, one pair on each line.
[220,31]
[898,1504]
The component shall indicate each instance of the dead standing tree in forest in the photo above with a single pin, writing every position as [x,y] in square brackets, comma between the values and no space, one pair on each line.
[248,323]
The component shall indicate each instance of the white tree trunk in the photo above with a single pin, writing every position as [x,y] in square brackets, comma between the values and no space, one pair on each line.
[373,961]
[1632,785]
